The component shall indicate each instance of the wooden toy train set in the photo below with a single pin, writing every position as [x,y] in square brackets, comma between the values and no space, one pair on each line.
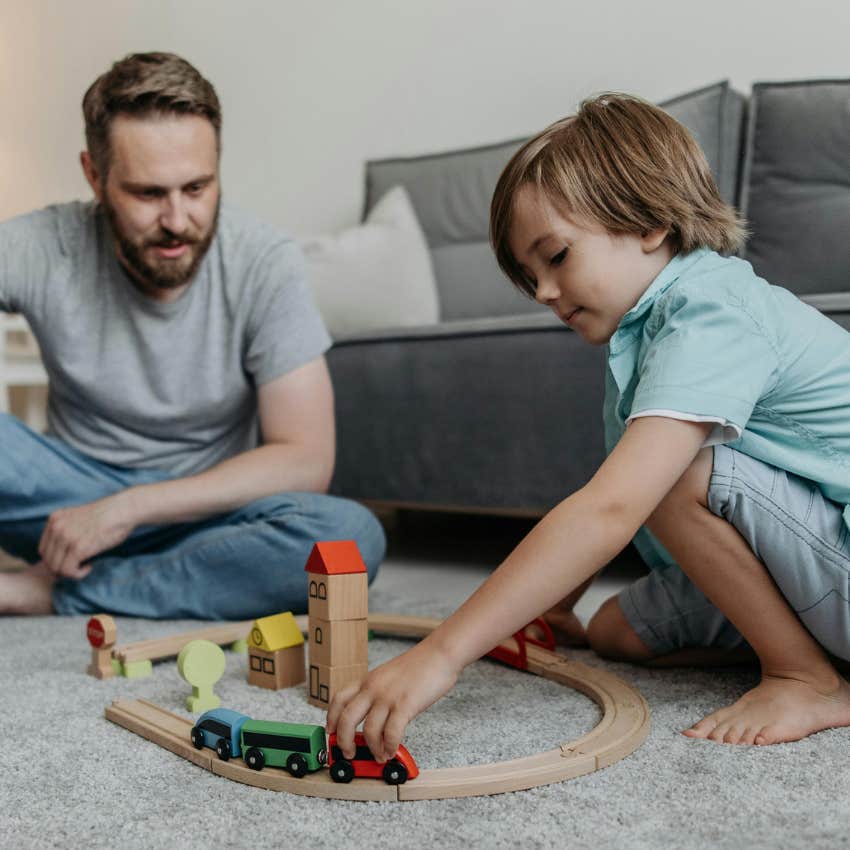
[338,623]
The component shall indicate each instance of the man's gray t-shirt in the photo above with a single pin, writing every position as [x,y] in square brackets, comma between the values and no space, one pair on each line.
[139,383]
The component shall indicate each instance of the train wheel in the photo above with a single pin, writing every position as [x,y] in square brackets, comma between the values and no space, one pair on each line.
[297,765]
[255,759]
[342,771]
[395,773]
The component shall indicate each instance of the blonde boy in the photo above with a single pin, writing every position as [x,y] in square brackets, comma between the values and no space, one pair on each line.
[727,418]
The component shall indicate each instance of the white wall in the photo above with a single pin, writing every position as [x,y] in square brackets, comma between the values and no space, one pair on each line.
[312,89]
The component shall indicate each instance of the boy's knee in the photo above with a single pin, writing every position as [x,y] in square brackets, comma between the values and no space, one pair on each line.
[610,635]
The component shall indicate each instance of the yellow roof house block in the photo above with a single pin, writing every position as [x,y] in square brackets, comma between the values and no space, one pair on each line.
[278,631]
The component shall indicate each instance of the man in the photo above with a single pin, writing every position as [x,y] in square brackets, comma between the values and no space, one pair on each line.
[177,334]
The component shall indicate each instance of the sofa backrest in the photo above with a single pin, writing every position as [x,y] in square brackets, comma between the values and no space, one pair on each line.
[715,117]
[796,185]
[451,195]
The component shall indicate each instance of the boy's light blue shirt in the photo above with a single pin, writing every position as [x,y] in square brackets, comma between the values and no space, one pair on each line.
[709,340]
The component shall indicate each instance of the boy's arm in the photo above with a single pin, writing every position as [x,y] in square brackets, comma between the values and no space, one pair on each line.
[572,542]
[297,425]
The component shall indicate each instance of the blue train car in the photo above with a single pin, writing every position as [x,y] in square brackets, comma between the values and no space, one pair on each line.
[219,730]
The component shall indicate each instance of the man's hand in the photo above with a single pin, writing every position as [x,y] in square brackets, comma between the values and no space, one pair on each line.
[389,698]
[73,536]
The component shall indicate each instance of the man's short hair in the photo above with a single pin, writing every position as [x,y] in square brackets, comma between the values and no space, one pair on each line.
[626,165]
[144,84]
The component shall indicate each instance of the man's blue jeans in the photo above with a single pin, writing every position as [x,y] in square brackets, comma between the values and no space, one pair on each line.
[243,564]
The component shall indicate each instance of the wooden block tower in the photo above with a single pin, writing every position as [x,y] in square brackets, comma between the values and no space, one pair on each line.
[338,598]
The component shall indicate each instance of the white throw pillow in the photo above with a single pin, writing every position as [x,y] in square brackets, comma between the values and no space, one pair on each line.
[377,275]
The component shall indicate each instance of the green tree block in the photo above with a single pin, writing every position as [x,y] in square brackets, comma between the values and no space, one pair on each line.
[240,645]
[201,663]
[202,702]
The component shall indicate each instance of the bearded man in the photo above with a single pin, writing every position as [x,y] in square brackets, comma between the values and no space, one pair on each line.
[191,438]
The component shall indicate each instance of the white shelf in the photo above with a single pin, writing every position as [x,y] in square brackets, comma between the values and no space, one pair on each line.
[17,374]
[13,322]
[21,369]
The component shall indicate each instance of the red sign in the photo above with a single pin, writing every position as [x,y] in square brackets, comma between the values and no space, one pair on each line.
[95,633]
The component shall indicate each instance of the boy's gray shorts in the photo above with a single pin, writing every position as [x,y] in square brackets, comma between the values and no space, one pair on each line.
[797,533]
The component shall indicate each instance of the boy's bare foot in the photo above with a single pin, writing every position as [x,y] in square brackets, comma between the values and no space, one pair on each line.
[28,591]
[566,627]
[777,710]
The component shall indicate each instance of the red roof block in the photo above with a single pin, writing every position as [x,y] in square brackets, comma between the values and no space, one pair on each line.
[335,557]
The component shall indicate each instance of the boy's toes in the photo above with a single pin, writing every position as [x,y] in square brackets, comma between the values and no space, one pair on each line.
[702,729]
[768,735]
[749,736]
[734,735]
[719,733]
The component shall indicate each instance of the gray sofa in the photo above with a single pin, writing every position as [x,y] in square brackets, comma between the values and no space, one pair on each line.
[498,407]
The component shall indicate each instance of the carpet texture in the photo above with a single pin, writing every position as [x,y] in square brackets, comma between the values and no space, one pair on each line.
[72,779]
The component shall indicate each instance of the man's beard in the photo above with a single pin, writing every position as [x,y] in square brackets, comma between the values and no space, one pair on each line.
[162,273]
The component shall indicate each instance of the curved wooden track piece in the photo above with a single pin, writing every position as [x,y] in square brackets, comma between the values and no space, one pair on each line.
[622,729]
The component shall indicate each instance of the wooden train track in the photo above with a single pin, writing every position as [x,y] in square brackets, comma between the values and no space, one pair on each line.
[622,729]
[167,647]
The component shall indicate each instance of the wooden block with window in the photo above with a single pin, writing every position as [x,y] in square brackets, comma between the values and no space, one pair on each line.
[276,652]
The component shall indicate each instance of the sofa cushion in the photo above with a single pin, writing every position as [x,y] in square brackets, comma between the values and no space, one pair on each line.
[451,195]
[374,275]
[796,184]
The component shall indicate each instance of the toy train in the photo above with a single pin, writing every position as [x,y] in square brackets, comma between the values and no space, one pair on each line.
[297,747]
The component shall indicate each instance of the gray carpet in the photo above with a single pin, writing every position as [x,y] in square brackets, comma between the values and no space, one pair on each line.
[72,779]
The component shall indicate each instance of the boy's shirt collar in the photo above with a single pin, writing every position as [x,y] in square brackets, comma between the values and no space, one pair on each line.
[677,266]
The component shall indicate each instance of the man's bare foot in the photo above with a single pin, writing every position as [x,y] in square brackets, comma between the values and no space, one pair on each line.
[566,627]
[777,710]
[28,591]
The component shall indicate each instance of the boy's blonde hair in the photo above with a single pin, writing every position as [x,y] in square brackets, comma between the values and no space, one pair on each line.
[624,164]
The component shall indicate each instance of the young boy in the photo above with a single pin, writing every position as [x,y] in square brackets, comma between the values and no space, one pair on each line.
[727,419]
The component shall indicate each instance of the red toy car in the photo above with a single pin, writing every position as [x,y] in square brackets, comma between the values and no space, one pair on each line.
[396,771]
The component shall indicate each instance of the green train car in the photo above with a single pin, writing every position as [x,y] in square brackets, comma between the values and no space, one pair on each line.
[297,747]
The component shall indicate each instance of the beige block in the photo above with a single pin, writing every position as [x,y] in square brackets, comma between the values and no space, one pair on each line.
[339,643]
[323,681]
[275,670]
[342,597]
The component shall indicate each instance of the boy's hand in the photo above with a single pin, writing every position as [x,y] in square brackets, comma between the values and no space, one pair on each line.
[389,698]
[74,535]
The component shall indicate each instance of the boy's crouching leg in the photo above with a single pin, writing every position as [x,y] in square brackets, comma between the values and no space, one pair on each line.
[800,692]
[611,635]
[664,620]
